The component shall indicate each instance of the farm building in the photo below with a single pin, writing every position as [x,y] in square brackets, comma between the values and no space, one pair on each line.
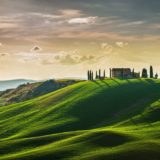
[123,73]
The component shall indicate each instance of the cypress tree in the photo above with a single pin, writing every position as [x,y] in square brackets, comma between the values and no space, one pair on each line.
[144,73]
[133,73]
[110,73]
[104,74]
[88,74]
[92,76]
[151,72]
[96,75]
[99,73]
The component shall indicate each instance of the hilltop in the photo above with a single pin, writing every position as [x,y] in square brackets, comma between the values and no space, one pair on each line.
[91,120]
[28,90]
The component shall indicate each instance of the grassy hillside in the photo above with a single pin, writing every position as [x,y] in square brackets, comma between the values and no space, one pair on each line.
[32,90]
[110,119]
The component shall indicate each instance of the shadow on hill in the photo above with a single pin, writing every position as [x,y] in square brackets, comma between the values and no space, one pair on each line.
[85,106]
[99,84]
[116,81]
[135,151]
[108,139]
[50,155]
[31,142]
[108,106]
[105,82]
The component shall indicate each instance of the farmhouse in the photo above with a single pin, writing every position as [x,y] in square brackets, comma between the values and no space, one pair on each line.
[114,73]
[122,73]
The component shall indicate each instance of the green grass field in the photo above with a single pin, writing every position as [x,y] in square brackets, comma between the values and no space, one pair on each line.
[99,120]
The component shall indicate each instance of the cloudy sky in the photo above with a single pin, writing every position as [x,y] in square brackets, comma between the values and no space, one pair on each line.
[41,39]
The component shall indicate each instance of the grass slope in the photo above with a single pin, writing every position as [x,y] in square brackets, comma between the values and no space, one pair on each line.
[110,119]
[32,90]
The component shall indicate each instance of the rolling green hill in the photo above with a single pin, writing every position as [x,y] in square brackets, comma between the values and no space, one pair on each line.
[32,90]
[91,120]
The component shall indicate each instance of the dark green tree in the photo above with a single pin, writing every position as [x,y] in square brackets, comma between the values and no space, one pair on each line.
[92,76]
[104,74]
[99,73]
[156,76]
[151,72]
[88,75]
[96,75]
[110,73]
[144,73]
[133,75]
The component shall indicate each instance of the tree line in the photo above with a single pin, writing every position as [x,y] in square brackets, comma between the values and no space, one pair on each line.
[99,75]
[151,74]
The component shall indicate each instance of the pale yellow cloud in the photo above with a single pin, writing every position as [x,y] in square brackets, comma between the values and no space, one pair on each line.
[70,12]
[84,20]
[121,44]
[4,54]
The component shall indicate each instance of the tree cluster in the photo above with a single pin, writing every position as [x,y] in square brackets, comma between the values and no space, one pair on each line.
[151,73]
[98,74]
[90,75]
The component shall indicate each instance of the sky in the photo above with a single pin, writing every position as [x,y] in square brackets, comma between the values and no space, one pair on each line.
[43,39]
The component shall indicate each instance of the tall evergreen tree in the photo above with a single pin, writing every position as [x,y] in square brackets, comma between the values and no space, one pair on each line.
[88,75]
[151,72]
[133,75]
[92,76]
[110,73]
[96,75]
[104,74]
[99,73]
[144,73]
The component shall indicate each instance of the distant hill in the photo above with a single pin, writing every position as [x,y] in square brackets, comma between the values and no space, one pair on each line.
[31,90]
[92,120]
[8,84]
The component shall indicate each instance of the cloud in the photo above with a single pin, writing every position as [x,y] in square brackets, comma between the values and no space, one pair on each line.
[86,20]
[36,49]
[70,12]
[70,59]
[133,23]
[106,48]
[66,58]
[104,45]
[47,16]
[4,54]
[29,21]
[47,61]
[27,56]
[121,44]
